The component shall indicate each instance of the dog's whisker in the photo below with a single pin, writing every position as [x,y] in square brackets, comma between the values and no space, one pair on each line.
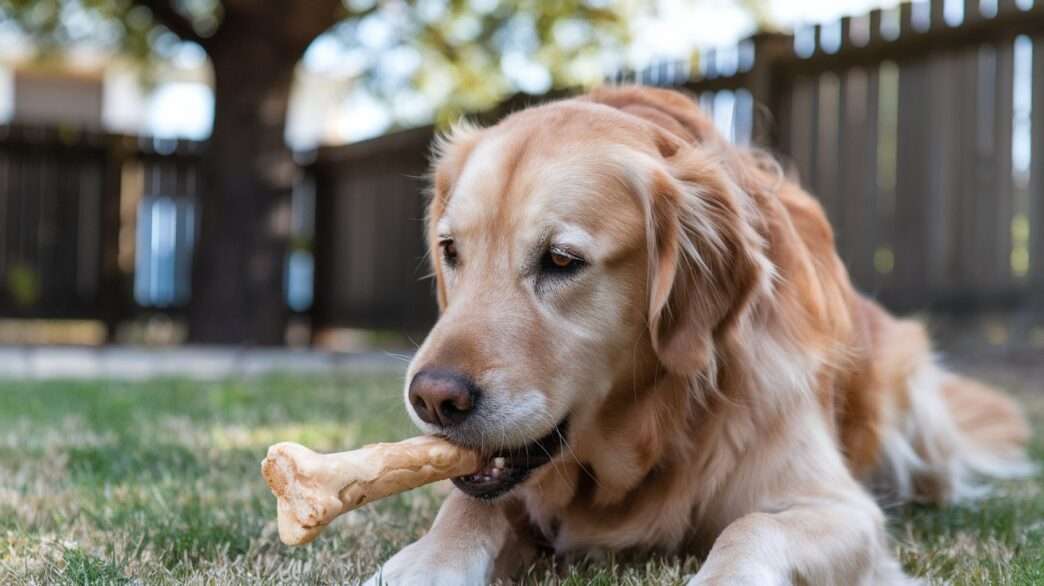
[588,471]
[564,444]
[401,357]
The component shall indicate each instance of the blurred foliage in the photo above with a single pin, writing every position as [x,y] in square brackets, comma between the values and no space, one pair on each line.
[465,52]
[23,285]
[123,27]
[558,43]
[461,55]
[53,24]
[761,12]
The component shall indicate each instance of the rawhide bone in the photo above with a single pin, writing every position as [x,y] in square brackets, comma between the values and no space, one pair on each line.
[313,489]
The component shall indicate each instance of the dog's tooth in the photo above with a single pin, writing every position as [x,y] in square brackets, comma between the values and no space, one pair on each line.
[499,462]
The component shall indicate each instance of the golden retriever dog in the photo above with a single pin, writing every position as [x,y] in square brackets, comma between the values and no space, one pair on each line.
[650,334]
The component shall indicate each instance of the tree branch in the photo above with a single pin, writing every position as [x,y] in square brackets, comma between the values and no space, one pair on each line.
[165,14]
[307,20]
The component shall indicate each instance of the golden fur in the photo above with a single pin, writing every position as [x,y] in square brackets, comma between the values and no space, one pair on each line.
[729,392]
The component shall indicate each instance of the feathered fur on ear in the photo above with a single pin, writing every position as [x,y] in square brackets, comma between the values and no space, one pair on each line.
[706,258]
[706,261]
[449,152]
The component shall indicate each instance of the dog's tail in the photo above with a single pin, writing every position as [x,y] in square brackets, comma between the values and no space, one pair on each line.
[947,434]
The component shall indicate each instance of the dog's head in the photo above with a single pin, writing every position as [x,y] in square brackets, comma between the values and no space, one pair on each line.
[575,246]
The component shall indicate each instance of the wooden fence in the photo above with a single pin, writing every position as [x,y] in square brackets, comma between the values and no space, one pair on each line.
[369,251]
[53,207]
[917,136]
[93,226]
[921,130]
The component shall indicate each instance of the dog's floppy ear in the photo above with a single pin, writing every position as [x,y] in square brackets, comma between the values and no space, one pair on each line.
[706,261]
[706,257]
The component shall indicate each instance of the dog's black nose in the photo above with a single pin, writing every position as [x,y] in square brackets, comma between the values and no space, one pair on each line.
[442,397]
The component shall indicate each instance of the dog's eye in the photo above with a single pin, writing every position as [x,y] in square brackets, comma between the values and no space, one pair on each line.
[559,261]
[449,252]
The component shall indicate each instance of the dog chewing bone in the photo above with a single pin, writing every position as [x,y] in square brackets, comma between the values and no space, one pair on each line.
[313,489]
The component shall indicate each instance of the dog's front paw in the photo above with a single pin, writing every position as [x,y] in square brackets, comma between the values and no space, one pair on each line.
[751,575]
[427,564]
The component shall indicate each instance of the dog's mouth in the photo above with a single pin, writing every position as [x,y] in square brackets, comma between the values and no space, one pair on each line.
[507,468]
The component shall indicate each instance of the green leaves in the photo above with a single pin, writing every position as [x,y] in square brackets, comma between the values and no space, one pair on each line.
[457,56]
[471,53]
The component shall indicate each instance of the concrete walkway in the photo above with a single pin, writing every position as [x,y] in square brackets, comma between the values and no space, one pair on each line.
[196,362]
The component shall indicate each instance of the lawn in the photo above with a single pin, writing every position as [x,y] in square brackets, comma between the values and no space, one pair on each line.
[157,482]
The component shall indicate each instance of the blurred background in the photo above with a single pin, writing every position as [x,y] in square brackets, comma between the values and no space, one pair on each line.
[211,240]
[239,173]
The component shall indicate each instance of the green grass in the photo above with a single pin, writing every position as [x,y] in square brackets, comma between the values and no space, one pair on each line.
[154,483]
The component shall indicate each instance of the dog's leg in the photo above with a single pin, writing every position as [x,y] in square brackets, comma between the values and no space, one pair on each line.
[460,549]
[831,541]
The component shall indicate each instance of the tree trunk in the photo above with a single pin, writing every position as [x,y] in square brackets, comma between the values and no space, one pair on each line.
[238,267]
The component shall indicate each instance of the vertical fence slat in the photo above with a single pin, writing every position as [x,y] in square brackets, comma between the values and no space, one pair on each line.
[803,129]
[1003,180]
[52,276]
[20,209]
[858,159]
[911,261]
[869,209]
[5,229]
[1037,171]
[113,299]
[972,12]
[937,14]
[884,175]
[966,269]
[90,227]
[911,258]
[324,240]
[875,25]
[827,148]
[985,192]
[944,159]
[982,190]
[766,89]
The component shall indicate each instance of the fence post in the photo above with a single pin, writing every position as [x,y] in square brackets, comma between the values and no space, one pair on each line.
[1036,186]
[766,85]
[323,231]
[113,298]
